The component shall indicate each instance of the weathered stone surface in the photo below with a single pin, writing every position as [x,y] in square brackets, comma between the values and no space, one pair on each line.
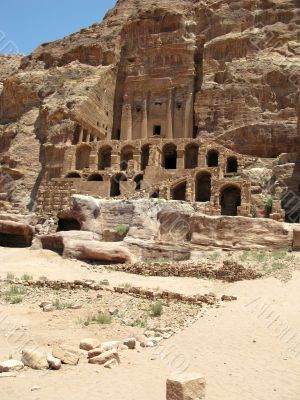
[89,344]
[186,387]
[130,343]
[11,365]
[15,234]
[66,354]
[105,357]
[34,359]
[229,232]
[85,246]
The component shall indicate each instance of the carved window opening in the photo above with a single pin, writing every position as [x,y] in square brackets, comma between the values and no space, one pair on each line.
[68,224]
[170,156]
[178,105]
[155,194]
[126,156]
[73,175]
[157,130]
[203,187]
[138,180]
[138,108]
[83,157]
[232,165]
[212,158]
[104,158]
[191,156]
[145,154]
[115,184]
[179,192]
[230,200]
[95,178]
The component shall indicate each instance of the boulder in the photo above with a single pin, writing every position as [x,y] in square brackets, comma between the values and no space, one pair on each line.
[86,246]
[105,357]
[11,365]
[54,363]
[34,359]
[67,355]
[130,343]
[228,232]
[95,352]
[111,364]
[15,234]
[113,345]
[186,387]
[89,344]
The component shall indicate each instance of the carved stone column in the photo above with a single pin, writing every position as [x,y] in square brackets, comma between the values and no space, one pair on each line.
[202,157]
[169,120]
[126,125]
[80,135]
[188,116]
[144,119]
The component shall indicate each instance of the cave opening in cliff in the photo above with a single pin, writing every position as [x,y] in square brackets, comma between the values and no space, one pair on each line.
[232,165]
[191,156]
[138,181]
[230,200]
[154,194]
[179,192]
[156,130]
[73,175]
[203,187]
[212,158]
[145,154]
[170,156]
[126,156]
[115,189]
[104,158]
[83,157]
[15,240]
[68,224]
[95,178]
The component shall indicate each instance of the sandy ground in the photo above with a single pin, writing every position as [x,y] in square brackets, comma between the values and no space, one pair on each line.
[248,349]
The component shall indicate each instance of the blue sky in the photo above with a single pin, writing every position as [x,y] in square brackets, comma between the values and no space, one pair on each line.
[24,24]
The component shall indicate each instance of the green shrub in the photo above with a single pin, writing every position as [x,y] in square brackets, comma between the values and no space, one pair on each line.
[122,229]
[60,306]
[105,282]
[10,276]
[14,294]
[269,203]
[253,212]
[26,277]
[156,309]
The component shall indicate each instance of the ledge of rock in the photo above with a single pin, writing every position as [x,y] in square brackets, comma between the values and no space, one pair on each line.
[86,246]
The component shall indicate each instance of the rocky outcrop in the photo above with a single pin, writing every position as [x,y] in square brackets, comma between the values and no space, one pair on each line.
[85,246]
[229,232]
[15,233]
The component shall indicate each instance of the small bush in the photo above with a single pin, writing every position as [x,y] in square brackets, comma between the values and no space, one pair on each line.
[101,319]
[10,276]
[105,282]
[26,277]
[156,309]
[126,285]
[60,306]
[14,294]
[253,212]
[122,229]
[43,278]
[139,323]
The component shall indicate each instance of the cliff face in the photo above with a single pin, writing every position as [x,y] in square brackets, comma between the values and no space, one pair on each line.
[246,62]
